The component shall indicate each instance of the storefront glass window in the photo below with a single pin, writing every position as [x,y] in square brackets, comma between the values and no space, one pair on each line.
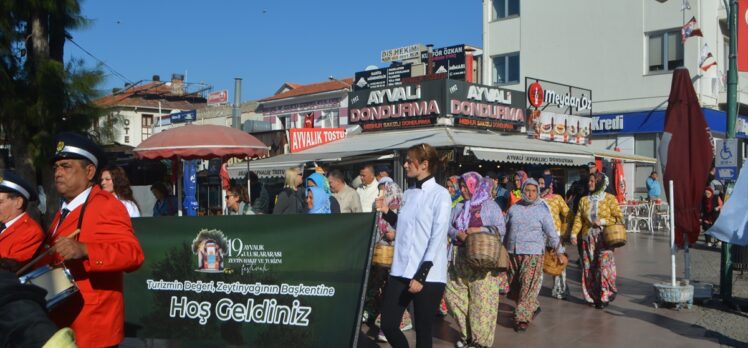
[665,51]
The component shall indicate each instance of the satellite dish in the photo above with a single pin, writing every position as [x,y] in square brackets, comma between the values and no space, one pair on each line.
[371,67]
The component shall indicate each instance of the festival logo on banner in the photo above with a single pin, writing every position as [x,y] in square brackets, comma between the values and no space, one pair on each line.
[305,138]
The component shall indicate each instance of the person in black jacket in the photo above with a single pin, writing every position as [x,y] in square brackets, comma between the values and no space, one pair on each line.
[291,200]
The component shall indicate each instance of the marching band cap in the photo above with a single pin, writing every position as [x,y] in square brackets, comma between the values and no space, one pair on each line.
[13,183]
[76,146]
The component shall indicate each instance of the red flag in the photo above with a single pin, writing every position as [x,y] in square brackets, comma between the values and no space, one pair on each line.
[224,174]
[620,182]
[689,29]
[686,155]
[309,120]
[742,35]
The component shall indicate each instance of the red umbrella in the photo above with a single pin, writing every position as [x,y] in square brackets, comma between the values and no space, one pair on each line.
[686,155]
[199,142]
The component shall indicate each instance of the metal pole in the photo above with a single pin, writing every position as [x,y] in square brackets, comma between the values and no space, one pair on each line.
[725,281]
[672,235]
[236,111]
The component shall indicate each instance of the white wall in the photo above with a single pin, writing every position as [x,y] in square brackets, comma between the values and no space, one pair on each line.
[602,45]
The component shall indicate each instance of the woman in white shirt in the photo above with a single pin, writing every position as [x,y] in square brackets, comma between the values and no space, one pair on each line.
[419,266]
[114,180]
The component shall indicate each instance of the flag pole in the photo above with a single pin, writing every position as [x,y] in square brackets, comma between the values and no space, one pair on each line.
[672,234]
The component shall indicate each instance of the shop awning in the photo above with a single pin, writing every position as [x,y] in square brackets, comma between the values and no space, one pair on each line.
[276,166]
[529,157]
[624,157]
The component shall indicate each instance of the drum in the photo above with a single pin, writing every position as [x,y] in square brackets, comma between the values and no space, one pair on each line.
[383,254]
[614,236]
[58,282]
[483,251]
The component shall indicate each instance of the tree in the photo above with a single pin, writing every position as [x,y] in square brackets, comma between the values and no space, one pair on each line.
[41,94]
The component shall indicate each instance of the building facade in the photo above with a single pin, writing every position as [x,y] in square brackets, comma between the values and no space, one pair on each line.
[626,61]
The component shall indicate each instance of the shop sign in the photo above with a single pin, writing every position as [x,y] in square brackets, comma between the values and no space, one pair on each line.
[447,60]
[558,98]
[397,107]
[219,97]
[726,159]
[562,128]
[380,78]
[402,53]
[300,107]
[741,128]
[305,138]
[480,106]
[184,116]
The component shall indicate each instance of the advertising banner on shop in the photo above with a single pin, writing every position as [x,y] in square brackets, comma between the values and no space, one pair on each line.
[253,281]
[305,138]
[561,128]
[447,60]
[380,78]
[486,107]
[397,107]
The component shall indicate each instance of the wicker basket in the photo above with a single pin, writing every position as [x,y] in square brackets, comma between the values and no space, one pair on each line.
[552,264]
[483,250]
[614,236]
[383,254]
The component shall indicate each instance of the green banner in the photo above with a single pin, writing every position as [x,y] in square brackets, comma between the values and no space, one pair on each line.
[255,281]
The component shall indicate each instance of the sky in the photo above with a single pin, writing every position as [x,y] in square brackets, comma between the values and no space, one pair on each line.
[264,42]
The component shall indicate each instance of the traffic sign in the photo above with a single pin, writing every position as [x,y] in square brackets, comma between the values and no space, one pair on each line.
[726,159]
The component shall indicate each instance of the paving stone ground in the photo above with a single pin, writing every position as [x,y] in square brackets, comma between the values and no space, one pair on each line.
[631,319]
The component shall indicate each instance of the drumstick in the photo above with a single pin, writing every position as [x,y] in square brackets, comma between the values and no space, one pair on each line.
[44,254]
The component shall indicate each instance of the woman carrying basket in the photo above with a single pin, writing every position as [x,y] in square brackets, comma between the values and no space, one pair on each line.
[392,196]
[529,222]
[561,217]
[597,210]
[419,266]
[472,293]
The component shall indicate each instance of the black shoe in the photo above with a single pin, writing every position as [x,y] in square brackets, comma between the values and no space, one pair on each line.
[520,327]
[612,297]
[536,313]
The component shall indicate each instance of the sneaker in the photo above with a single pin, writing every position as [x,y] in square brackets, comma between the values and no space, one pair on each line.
[461,344]
[381,337]
[406,327]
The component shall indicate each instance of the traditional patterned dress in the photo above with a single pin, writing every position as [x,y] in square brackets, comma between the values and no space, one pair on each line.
[561,217]
[529,224]
[473,295]
[599,267]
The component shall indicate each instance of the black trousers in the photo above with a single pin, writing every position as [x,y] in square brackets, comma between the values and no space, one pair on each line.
[425,303]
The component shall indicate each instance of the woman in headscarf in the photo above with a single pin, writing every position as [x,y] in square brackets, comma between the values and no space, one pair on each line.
[711,205]
[561,217]
[392,198]
[519,180]
[453,186]
[529,223]
[319,180]
[596,210]
[317,200]
[472,294]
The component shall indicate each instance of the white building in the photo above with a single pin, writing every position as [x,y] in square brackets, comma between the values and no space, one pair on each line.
[132,112]
[324,103]
[623,51]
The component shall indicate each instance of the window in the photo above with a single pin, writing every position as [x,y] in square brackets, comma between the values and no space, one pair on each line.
[504,9]
[146,125]
[665,51]
[506,69]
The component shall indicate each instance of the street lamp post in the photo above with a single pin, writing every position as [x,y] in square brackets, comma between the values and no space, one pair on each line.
[725,281]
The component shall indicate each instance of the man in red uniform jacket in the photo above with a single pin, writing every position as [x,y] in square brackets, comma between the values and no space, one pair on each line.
[97,257]
[20,235]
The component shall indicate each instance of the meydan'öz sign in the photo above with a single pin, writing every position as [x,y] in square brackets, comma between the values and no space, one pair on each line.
[254,281]
[421,103]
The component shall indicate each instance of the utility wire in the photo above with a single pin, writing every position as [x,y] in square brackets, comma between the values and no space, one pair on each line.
[114,72]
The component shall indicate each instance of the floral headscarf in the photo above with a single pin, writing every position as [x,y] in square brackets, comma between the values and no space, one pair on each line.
[393,196]
[319,180]
[480,191]
[454,182]
[526,200]
[320,201]
[522,178]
